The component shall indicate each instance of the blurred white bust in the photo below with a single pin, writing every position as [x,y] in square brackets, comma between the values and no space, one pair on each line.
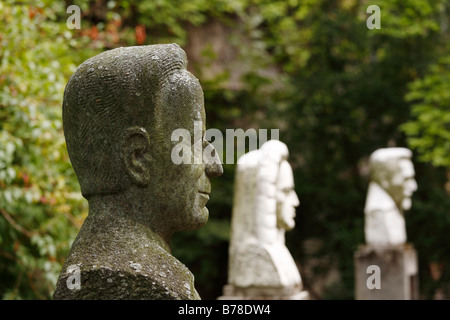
[389,195]
[263,209]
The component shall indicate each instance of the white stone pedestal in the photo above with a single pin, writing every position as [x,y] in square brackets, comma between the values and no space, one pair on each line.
[398,273]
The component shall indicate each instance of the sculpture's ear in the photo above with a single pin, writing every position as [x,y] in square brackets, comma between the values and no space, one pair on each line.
[136,155]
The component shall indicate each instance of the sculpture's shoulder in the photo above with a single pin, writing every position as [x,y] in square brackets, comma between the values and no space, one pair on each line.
[252,265]
[151,274]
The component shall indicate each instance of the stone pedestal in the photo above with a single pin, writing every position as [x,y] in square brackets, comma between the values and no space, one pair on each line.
[397,273]
[231,292]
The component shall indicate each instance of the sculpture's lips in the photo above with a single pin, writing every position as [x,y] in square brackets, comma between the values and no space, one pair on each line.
[204,194]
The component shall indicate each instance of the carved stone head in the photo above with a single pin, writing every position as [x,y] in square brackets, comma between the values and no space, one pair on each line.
[264,192]
[393,170]
[263,209]
[120,108]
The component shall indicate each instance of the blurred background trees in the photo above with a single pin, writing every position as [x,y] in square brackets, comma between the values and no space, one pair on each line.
[336,90]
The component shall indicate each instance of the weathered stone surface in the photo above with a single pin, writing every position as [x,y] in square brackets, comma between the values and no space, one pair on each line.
[260,265]
[120,108]
[398,273]
[391,187]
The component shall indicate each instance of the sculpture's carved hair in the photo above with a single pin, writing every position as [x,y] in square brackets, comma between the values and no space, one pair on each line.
[384,162]
[107,94]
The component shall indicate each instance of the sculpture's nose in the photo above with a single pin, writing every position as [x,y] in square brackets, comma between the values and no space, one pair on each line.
[294,199]
[414,185]
[214,170]
[411,185]
[213,166]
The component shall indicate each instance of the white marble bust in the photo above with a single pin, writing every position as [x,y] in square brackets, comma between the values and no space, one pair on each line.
[389,195]
[263,209]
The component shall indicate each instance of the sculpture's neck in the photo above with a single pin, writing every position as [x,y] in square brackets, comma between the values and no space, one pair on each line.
[379,199]
[120,214]
[281,239]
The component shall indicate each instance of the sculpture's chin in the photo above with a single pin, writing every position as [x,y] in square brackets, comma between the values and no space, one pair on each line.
[199,219]
[203,218]
[286,224]
[406,204]
[289,226]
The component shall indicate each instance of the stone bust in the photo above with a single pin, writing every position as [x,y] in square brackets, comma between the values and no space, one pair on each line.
[119,110]
[389,195]
[263,210]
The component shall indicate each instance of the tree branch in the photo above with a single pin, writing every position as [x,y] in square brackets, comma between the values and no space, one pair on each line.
[15,224]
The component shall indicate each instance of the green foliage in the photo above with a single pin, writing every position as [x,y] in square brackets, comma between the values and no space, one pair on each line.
[429,129]
[411,18]
[40,204]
